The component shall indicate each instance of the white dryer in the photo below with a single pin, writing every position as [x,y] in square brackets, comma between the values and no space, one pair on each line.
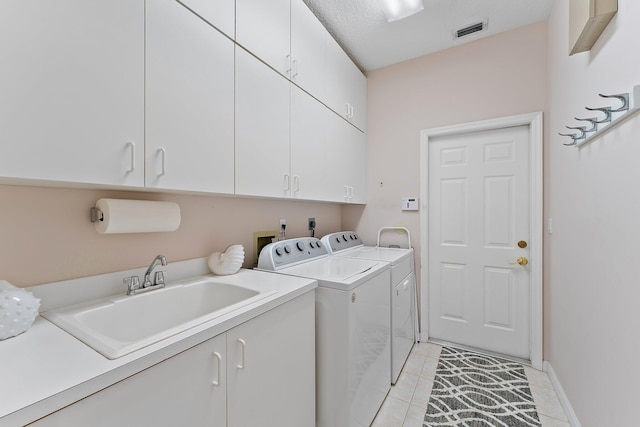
[402,289]
[353,342]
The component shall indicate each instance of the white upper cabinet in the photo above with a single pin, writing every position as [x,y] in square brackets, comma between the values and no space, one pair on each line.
[262,129]
[72,85]
[346,86]
[263,28]
[348,167]
[219,13]
[317,156]
[189,101]
[308,50]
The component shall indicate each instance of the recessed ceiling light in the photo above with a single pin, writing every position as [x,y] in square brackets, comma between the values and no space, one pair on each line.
[399,9]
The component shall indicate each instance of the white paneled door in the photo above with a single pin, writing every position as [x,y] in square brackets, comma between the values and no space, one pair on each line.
[479,240]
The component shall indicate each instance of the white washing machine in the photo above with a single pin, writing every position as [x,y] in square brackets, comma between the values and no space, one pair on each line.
[402,288]
[353,333]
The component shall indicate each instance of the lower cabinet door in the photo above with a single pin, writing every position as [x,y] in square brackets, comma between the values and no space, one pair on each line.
[188,389]
[271,367]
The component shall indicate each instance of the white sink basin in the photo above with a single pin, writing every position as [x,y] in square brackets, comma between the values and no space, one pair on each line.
[116,326]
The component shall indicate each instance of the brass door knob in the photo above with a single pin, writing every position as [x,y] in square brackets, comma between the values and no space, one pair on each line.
[521,261]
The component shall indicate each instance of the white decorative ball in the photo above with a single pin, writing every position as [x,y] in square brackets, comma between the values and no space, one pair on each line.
[18,310]
[228,262]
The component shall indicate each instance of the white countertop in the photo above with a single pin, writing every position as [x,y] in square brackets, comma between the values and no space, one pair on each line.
[45,368]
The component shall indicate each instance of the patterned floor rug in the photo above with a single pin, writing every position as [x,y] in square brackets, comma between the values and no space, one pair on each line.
[475,390]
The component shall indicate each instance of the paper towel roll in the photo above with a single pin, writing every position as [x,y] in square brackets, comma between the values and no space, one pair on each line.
[136,216]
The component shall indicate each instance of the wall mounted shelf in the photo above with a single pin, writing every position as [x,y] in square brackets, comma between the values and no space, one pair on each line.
[588,19]
[613,116]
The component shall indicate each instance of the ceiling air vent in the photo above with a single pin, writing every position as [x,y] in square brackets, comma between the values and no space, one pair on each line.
[474,28]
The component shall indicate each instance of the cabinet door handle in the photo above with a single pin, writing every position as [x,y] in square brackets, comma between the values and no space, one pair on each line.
[296,183]
[242,345]
[348,111]
[217,355]
[295,68]
[346,192]
[288,65]
[163,153]
[132,147]
[287,182]
[350,193]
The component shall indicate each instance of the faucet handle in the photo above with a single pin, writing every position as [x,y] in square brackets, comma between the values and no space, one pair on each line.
[159,278]
[133,284]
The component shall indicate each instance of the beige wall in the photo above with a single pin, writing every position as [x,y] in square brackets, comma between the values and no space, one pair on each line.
[593,282]
[494,77]
[46,235]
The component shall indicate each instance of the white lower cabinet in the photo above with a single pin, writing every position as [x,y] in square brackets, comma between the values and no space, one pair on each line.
[271,368]
[262,372]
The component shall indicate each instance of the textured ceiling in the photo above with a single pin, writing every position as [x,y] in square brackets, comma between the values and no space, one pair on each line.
[363,31]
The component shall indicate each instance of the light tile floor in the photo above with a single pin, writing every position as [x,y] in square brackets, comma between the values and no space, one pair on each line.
[407,401]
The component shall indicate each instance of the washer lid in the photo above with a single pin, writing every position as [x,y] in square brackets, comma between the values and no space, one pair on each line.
[392,255]
[338,270]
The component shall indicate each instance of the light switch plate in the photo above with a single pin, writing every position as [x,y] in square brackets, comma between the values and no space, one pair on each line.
[410,204]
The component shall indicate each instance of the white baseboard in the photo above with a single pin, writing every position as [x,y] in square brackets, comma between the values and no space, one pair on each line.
[564,400]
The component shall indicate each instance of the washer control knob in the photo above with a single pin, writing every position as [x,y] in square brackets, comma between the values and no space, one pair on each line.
[279,251]
[287,249]
[300,246]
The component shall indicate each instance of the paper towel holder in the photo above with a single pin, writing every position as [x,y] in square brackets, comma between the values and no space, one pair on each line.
[96,214]
[116,216]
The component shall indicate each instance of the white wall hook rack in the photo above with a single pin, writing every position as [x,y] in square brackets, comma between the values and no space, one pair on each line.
[612,117]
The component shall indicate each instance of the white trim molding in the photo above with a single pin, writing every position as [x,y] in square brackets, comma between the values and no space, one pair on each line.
[534,122]
[562,397]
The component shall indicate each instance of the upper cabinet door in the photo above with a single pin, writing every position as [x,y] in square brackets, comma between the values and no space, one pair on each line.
[348,168]
[72,85]
[263,28]
[315,156]
[219,13]
[189,101]
[346,86]
[262,129]
[308,50]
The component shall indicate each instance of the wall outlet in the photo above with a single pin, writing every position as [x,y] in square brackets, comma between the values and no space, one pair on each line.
[283,224]
[312,223]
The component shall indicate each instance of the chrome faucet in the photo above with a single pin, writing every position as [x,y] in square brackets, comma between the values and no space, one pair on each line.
[133,282]
[159,277]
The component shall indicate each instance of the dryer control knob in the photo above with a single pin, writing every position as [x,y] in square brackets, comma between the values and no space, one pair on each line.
[279,251]
[287,249]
